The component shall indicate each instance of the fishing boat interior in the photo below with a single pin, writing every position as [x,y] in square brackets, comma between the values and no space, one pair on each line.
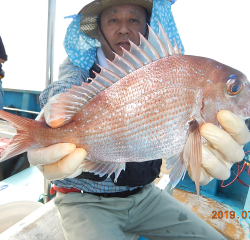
[27,210]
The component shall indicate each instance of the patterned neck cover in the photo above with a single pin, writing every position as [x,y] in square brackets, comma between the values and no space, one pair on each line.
[81,49]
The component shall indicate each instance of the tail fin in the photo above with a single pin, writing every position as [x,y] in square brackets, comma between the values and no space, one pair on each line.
[22,141]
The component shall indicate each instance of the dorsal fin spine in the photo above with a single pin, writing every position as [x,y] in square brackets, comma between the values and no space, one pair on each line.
[131,58]
[157,43]
[73,98]
[94,84]
[97,83]
[148,48]
[79,95]
[73,108]
[103,80]
[176,49]
[90,87]
[120,61]
[76,104]
[116,69]
[139,53]
[107,73]
[76,90]
[164,38]
[85,90]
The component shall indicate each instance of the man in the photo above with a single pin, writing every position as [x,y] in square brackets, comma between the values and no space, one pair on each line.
[3,58]
[93,207]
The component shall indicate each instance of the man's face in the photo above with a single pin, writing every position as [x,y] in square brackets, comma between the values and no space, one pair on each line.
[119,24]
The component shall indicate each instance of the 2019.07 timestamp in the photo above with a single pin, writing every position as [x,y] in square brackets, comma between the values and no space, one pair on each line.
[229,214]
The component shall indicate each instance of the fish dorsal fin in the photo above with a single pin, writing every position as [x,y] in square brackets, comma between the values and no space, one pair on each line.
[99,78]
[124,64]
[116,68]
[139,53]
[148,48]
[63,108]
[109,74]
[157,43]
[177,50]
[164,38]
[127,55]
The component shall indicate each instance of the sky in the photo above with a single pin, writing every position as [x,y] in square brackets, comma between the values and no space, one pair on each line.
[218,29]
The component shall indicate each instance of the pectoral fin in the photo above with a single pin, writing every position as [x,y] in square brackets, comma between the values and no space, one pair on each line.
[192,153]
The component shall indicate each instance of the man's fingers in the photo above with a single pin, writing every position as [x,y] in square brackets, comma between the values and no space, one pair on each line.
[224,146]
[205,178]
[58,161]
[66,166]
[51,154]
[235,126]
[213,166]
[223,142]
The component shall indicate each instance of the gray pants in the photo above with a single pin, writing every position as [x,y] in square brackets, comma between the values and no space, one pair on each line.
[151,213]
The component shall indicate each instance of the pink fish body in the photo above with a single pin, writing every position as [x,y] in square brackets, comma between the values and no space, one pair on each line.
[148,104]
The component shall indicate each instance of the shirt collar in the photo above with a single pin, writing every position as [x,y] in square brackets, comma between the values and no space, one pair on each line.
[101,58]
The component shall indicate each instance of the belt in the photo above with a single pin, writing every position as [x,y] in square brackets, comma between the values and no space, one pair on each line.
[106,195]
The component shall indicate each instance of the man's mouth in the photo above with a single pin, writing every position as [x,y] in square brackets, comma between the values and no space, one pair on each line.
[124,44]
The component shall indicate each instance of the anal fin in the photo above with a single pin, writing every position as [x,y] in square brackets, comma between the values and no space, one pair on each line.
[179,167]
[101,169]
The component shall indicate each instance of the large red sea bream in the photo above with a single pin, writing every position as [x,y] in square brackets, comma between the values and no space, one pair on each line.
[148,104]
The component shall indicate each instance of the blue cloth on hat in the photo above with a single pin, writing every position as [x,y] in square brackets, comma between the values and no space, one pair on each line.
[81,49]
[162,13]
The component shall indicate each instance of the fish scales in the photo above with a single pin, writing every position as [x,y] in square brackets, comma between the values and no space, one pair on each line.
[120,139]
[153,112]
[135,131]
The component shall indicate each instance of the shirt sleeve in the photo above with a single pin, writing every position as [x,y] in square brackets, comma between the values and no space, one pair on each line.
[69,75]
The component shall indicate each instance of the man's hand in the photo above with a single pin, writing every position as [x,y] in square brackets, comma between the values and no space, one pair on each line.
[2,61]
[58,161]
[224,147]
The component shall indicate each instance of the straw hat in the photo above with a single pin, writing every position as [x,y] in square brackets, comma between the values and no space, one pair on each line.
[91,11]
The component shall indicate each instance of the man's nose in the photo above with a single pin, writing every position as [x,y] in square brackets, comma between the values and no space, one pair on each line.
[124,29]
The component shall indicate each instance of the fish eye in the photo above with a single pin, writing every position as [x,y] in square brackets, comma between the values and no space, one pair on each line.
[234,86]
